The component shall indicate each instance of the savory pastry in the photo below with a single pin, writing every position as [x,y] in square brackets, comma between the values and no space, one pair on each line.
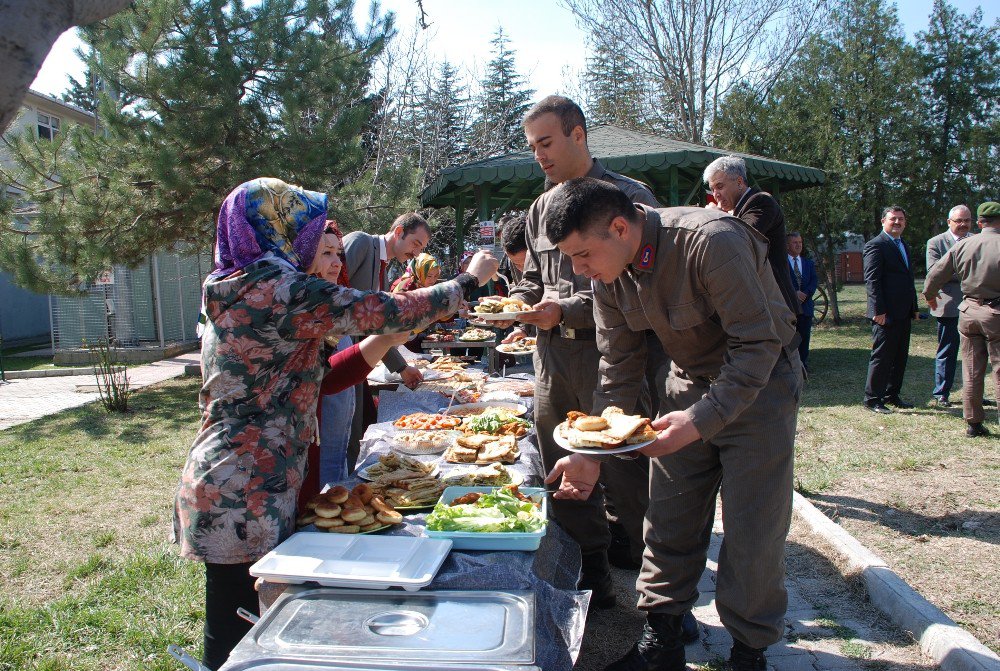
[327,510]
[337,494]
[389,517]
[345,529]
[329,522]
[353,515]
[363,491]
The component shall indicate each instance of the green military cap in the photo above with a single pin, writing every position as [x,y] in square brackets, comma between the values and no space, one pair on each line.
[989,209]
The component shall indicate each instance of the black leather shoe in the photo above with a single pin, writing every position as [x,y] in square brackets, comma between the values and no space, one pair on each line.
[620,550]
[976,430]
[596,577]
[744,658]
[689,628]
[989,402]
[878,407]
[659,649]
[898,402]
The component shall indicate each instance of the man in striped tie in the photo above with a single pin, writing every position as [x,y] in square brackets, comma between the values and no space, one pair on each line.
[804,282]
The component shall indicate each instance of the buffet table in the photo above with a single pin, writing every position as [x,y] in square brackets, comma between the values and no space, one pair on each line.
[548,575]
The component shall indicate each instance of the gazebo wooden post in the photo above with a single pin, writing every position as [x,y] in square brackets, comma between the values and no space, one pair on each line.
[675,196]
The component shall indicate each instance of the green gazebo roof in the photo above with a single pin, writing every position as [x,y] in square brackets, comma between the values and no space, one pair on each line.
[670,167]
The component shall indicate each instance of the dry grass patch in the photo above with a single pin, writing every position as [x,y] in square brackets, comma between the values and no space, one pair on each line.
[911,486]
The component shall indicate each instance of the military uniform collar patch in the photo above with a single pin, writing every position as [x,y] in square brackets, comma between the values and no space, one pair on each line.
[645,258]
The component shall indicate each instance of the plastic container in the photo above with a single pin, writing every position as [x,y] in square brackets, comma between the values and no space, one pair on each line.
[365,562]
[492,540]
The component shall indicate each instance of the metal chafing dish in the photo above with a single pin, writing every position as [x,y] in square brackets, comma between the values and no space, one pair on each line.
[331,629]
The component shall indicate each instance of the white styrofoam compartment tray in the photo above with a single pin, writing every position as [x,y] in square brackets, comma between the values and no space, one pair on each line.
[361,561]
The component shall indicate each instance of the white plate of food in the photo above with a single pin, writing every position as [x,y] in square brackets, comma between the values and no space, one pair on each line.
[420,441]
[518,347]
[476,335]
[397,467]
[500,316]
[492,475]
[613,432]
[483,449]
[466,409]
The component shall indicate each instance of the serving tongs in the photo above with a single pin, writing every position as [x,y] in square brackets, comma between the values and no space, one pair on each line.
[181,655]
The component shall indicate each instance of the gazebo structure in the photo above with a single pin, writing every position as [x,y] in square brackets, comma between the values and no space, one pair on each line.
[671,168]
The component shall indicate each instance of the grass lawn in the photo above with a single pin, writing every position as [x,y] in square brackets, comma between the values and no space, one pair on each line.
[90,580]
[911,486]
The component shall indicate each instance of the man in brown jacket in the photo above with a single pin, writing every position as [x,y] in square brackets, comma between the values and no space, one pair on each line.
[701,281]
[567,357]
[976,261]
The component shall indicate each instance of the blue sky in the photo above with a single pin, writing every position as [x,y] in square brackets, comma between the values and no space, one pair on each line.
[543,34]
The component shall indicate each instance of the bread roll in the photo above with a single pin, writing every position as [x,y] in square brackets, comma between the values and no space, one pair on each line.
[363,491]
[346,529]
[389,517]
[371,527]
[380,506]
[306,519]
[328,522]
[337,494]
[368,519]
[353,514]
[328,510]
[590,423]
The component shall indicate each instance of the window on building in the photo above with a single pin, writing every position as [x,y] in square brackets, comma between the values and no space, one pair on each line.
[48,126]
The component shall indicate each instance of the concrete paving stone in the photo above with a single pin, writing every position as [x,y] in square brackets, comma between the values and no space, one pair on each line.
[799,662]
[716,635]
[784,648]
[835,661]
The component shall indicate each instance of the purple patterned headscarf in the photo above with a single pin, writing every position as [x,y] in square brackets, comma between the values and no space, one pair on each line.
[266,215]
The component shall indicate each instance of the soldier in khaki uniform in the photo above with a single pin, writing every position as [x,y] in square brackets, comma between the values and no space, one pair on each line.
[702,282]
[567,357]
[976,261]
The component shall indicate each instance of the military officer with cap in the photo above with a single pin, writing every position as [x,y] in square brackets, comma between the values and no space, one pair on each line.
[701,280]
[976,261]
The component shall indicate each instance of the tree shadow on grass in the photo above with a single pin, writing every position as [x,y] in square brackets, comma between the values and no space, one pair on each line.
[981,525]
[837,377]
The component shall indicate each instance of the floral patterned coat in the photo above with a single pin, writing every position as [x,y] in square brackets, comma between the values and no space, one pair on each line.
[262,372]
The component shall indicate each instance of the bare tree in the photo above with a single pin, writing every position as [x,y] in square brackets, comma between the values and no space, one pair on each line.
[695,51]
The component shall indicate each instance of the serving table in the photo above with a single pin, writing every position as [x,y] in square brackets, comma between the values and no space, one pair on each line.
[546,577]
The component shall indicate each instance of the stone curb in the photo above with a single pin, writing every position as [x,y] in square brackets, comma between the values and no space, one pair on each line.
[939,637]
[46,372]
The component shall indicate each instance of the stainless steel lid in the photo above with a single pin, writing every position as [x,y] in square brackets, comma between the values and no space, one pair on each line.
[273,665]
[398,628]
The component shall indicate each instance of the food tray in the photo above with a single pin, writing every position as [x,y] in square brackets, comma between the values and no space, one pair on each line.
[492,540]
[362,473]
[364,562]
[441,441]
[466,409]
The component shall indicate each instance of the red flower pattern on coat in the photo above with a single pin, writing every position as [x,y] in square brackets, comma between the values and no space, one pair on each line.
[369,313]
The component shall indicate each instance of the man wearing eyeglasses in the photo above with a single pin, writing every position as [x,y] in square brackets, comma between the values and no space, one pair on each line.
[946,312]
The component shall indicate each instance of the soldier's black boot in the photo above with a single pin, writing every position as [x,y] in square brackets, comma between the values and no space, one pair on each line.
[744,658]
[659,649]
[595,575]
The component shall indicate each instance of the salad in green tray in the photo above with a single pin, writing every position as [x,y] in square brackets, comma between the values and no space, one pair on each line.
[496,421]
[503,509]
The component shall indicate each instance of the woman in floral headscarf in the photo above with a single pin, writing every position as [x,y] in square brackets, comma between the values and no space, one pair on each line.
[422,271]
[261,369]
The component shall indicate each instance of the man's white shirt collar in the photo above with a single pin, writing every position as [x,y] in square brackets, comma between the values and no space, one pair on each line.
[955,237]
[791,259]
[382,254]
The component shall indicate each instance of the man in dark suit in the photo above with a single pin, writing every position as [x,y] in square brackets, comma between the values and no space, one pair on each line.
[804,281]
[366,258]
[892,304]
[946,309]
[726,177]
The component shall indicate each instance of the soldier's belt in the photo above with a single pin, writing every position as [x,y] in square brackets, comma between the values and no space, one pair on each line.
[577,334]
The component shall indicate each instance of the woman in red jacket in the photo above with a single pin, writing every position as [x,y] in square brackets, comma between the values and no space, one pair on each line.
[348,366]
